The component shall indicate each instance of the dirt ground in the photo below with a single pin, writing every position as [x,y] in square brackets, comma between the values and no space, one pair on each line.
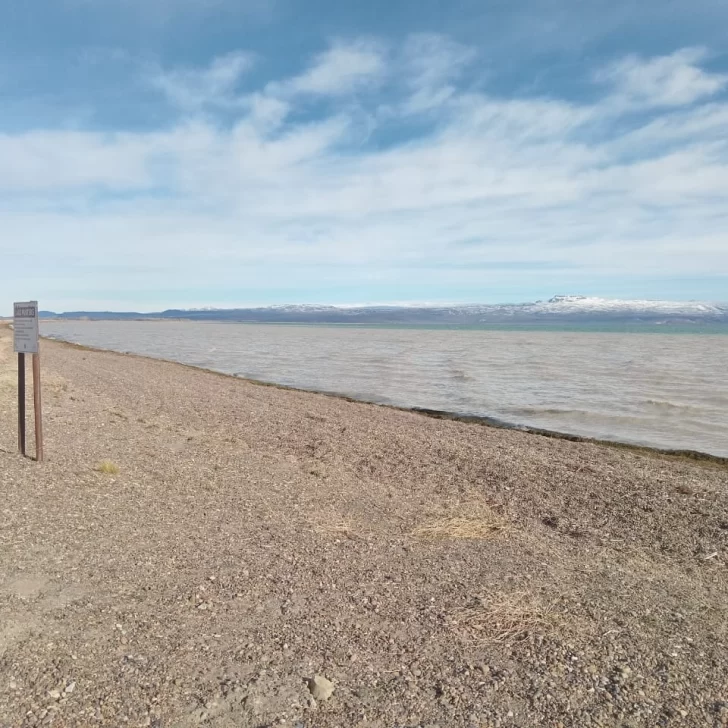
[197,548]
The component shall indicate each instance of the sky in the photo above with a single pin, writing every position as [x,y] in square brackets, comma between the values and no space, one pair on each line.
[189,153]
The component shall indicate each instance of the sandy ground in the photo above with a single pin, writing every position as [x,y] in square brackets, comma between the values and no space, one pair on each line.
[437,573]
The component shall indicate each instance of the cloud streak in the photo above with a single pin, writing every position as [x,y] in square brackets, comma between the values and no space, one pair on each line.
[216,85]
[672,80]
[345,68]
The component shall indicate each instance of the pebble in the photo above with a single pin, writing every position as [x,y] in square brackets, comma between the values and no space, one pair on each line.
[320,688]
[70,687]
[55,694]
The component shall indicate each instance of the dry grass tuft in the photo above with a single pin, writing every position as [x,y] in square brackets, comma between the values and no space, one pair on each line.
[505,617]
[333,528]
[106,466]
[55,385]
[343,527]
[479,523]
[332,524]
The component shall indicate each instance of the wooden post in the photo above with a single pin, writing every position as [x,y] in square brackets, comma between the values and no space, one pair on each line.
[37,409]
[21,403]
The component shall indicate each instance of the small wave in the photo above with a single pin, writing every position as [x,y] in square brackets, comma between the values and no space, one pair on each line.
[603,420]
[529,411]
[667,405]
[460,376]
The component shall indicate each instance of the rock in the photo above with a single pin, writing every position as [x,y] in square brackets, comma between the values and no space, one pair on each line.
[55,694]
[70,687]
[320,688]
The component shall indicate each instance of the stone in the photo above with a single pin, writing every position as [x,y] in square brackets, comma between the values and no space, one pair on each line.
[55,694]
[70,687]
[321,688]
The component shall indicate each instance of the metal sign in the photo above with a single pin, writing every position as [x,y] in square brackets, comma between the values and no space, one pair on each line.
[25,341]
[25,327]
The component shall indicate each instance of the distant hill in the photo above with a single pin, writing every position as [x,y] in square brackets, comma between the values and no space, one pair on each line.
[576,309]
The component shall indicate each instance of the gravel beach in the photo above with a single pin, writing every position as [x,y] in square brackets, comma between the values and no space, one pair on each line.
[198,550]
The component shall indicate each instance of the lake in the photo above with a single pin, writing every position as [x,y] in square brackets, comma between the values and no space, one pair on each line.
[665,390]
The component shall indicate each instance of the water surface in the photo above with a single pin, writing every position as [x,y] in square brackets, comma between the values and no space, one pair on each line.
[662,390]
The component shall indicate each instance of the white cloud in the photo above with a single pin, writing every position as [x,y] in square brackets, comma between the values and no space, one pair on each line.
[273,199]
[343,69]
[215,85]
[706,123]
[430,63]
[57,161]
[673,80]
[431,60]
[267,112]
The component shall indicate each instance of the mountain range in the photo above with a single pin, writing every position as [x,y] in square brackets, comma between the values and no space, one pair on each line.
[575,309]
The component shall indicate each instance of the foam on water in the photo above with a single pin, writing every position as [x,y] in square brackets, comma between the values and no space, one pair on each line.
[661,390]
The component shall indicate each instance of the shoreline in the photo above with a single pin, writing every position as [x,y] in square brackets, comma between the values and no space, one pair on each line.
[482,420]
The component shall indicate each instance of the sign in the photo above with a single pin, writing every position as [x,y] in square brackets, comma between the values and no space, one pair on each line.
[25,341]
[25,327]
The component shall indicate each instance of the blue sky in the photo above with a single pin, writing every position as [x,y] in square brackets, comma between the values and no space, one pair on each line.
[159,153]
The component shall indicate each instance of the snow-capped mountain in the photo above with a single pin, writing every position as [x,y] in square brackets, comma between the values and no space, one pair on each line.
[581,309]
[592,304]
